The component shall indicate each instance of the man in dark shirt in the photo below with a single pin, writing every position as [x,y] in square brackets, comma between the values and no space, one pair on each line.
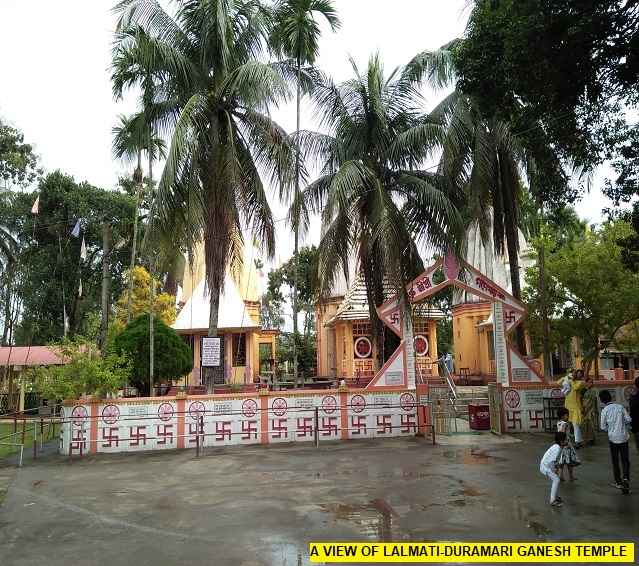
[633,410]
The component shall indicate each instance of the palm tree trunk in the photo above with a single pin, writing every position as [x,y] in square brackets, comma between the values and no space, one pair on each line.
[214,375]
[513,259]
[296,226]
[543,307]
[104,326]
[151,267]
[133,248]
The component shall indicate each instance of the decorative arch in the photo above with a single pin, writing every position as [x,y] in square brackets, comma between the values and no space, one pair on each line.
[508,313]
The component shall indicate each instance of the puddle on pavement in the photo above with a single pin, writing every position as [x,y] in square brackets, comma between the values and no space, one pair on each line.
[539,529]
[390,473]
[286,553]
[374,519]
[471,456]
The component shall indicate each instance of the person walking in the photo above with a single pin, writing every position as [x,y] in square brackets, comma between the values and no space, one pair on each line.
[548,466]
[633,410]
[573,402]
[568,456]
[590,416]
[614,419]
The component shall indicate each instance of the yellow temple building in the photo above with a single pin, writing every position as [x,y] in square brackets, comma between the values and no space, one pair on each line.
[238,322]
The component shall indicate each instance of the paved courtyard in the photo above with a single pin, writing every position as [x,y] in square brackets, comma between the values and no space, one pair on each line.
[263,505]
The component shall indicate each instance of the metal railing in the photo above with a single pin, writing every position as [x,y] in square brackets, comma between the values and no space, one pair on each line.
[30,423]
[312,424]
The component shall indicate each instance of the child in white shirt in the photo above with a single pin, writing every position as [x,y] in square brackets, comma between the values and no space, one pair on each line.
[548,466]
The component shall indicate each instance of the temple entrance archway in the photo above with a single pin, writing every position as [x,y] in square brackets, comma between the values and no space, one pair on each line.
[508,313]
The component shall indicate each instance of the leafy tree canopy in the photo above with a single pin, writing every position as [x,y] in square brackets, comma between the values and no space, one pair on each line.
[85,371]
[570,64]
[591,294]
[50,256]
[163,303]
[18,162]
[173,357]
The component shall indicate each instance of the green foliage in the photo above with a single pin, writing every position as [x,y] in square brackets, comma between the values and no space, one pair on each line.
[306,350]
[173,357]
[50,257]
[565,63]
[272,302]
[591,294]
[85,371]
[18,162]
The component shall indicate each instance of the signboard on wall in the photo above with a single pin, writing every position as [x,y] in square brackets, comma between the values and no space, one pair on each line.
[521,374]
[211,351]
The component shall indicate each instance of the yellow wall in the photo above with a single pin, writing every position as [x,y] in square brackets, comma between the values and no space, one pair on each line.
[471,342]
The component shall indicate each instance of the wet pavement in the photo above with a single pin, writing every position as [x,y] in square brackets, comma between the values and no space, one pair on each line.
[263,504]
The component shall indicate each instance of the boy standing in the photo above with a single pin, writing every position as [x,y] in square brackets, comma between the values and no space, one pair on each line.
[548,466]
[614,419]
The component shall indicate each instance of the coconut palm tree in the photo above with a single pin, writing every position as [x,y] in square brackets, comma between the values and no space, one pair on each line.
[490,161]
[296,34]
[378,200]
[129,142]
[212,96]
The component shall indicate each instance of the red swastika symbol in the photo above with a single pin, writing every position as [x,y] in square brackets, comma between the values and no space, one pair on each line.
[223,430]
[111,436]
[164,433]
[137,435]
[328,426]
[359,424]
[249,430]
[408,423]
[279,427]
[305,427]
[384,424]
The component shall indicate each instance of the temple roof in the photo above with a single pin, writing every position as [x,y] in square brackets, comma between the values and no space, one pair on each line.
[354,306]
[232,314]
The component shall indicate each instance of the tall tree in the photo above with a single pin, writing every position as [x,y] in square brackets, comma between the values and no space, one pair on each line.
[592,295]
[377,202]
[569,63]
[214,98]
[296,35]
[18,166]
[55,270]
[483,155]
[129,143]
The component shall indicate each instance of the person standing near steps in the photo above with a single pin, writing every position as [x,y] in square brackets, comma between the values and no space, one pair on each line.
[614,419]
[573,402]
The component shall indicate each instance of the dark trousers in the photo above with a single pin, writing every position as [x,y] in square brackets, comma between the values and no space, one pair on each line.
[616,451]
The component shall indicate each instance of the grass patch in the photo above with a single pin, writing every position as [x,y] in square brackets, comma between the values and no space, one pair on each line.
[6,435]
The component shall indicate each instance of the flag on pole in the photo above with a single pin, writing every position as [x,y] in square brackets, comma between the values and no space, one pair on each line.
[36,204]
[76,229]
[83,250]
[80,289]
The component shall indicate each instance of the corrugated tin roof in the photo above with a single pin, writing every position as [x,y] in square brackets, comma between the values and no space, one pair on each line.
[233,314]
[355,304]
[28,356]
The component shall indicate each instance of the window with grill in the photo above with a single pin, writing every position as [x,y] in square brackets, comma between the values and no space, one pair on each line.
[361,329]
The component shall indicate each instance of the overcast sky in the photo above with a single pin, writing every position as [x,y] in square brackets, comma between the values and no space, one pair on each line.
[54,78]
